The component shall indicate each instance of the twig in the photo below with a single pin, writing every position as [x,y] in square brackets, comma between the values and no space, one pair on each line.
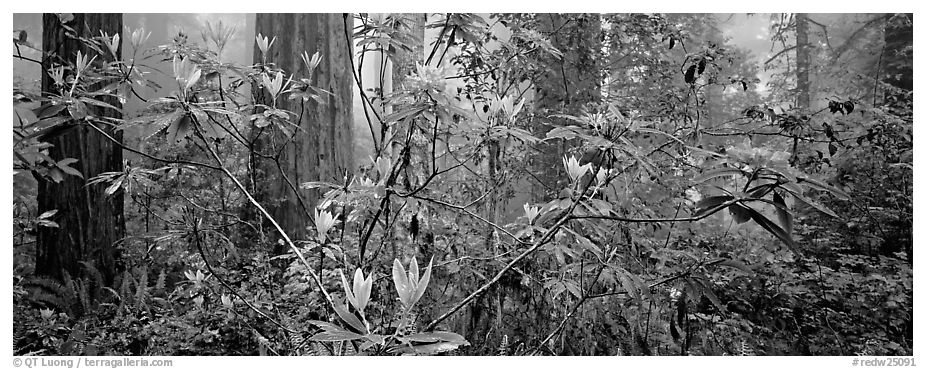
[266,214]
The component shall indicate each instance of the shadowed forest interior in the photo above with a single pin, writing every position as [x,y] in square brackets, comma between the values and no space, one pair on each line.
[463,184]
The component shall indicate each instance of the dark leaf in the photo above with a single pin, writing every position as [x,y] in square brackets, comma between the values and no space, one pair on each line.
[813,204]
[707,291]
[701,65]
[784,214]
[771,227]
[64,165]
[349,317]
[78,110]
[336,335]
[179,128]
[99,103]
[711,203]
[812,183]
[690,74]
[50,110]
[737,265]
[849,106]
[761,190]
[740,213]
[50,122]
[681,307]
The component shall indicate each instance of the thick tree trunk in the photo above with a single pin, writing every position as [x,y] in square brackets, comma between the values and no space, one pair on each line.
[90,223]
[322,149]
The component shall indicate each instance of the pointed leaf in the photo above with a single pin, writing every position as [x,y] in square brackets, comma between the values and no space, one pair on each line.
[347,291]
[820,207]
[335,336]
[413,275]
[400,279]
[349,317]
[784,214]
[740,213]
[423,283]
[771,227]
[710,203]
[690,74]
[824,187]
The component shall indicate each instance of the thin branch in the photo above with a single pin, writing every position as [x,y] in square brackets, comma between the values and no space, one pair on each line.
[779,54]
[659,220]
[266,214]
[848,43]
[118,143]
[553,230]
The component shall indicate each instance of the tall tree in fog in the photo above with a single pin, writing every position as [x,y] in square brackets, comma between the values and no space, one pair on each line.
[320,150]
[803,50]
[90,222]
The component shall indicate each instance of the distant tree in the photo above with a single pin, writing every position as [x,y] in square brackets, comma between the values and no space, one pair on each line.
[803,60]
[90,222]
[898,66]
[570,83]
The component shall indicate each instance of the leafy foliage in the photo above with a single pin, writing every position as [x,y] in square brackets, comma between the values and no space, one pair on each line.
[660,234]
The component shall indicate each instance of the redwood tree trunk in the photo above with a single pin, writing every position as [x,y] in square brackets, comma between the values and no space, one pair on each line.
[322,149]
[803,61]
[90,223]
[802,47]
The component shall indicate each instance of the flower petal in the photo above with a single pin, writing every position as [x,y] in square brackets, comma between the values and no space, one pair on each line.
[413,272]
[347,291]
[423,284]
[358,286]
[363,293]
[400,279]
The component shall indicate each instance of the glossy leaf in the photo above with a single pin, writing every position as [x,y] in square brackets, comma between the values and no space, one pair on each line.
[773,228]
[740,213]
[785,219]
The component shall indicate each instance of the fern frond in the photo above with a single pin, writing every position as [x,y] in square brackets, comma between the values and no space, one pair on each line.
[125,288]
[83,296]
[745,349]
[160,284]
[96,279]
[50,300]
[141,290]
[503,349]
[50,292]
